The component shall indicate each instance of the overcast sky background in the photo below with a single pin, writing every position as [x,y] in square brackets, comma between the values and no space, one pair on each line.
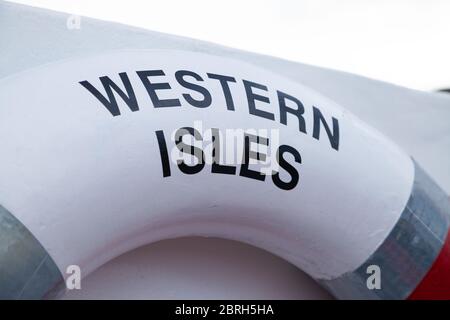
[399,41]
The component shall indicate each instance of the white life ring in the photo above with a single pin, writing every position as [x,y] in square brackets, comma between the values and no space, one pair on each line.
[89,171]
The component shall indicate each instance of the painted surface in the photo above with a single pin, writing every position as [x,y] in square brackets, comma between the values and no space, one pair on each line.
[397,112]
[103,173]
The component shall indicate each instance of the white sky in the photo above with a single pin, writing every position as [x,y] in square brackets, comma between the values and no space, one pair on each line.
[401,41]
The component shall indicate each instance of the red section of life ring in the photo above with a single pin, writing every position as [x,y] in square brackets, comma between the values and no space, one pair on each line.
[436,284]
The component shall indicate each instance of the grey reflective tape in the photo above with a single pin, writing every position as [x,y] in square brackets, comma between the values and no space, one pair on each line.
[26,269]
[408,252]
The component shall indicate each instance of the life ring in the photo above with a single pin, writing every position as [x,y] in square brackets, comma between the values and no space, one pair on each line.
[105,153]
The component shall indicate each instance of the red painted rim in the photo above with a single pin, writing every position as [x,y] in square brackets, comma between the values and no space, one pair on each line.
[436,284]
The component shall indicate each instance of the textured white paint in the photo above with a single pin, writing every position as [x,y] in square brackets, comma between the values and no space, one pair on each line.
[90,178]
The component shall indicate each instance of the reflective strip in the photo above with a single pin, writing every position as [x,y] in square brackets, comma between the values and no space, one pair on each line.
[26,269]
[408,253]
